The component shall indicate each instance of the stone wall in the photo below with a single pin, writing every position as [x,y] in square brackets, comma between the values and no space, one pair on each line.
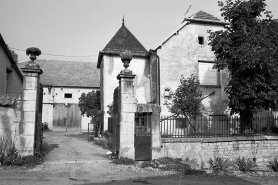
[257,148]
[18,121]
[10,126]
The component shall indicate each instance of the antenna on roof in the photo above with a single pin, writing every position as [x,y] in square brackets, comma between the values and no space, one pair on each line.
[123,19]
[187,10]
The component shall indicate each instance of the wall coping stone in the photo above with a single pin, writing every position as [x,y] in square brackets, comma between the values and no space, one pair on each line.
[218,139]
[148,108]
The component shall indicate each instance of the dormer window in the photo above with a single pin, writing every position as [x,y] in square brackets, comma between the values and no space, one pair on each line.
[201,40]
[68,95]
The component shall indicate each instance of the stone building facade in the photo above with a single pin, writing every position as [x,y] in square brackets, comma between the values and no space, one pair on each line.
[185,52]
[110,65]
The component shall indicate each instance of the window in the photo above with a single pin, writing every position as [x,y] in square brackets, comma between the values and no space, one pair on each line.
[208,75]
[67,95]
[201,40]
[142,123]
[8,78]
[167,92]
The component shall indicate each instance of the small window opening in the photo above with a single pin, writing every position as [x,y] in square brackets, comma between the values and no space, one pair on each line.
[8,78]
[201,40]
[142,123]
[67,95]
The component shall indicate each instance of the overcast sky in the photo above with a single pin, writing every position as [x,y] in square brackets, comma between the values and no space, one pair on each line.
[84,27]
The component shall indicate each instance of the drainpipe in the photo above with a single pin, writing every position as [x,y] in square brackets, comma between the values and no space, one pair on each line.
[158,75]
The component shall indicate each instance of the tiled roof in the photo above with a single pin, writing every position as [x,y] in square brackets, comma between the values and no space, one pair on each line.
[204,15]
[68,73]
[8,99]
[124,40]
[9,55]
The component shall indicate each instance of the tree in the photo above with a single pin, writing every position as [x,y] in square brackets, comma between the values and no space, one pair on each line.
[90,106]
[186,100]
[110,109]
[248,49]
[14,55]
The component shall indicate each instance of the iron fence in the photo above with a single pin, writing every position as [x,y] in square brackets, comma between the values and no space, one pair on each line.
[217,126]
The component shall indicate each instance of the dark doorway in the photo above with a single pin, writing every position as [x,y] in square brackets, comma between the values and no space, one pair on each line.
[142,136]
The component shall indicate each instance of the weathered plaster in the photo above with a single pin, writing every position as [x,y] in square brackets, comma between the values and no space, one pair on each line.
[111,67]
[9,121]
[127,108]
[180,56]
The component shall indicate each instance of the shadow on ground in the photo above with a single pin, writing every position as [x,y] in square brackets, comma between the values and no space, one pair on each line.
[181,180]
[46,148]
[80,135]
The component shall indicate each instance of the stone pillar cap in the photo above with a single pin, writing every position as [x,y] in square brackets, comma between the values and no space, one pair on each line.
[32,70]
[121,75]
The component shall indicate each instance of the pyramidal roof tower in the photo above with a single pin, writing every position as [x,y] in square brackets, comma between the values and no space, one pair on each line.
[123,40]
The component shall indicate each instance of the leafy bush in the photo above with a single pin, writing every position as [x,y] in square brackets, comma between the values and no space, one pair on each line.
[190,171]
[219,164]
[101,142]
[273,165]
[45,126]
[14,159]
[244,164]
[123,161]
[17,160]
[152,163]
[190,160]
[171,164]
[168,160]
[9,155]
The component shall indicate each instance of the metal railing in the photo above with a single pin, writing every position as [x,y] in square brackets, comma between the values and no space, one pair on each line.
[217,126]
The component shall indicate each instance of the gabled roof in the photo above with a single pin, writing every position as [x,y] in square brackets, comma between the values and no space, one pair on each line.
[9,55]
[202,16]
[68,73]
[123,40]
[8,99]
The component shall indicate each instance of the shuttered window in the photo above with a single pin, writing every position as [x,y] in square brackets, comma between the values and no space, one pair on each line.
[208,75]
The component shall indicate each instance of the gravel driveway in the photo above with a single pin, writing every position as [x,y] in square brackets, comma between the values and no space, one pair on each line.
[69,154]
[71,159]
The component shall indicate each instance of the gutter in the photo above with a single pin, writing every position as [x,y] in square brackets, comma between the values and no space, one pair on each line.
[71,86]
[206,21]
